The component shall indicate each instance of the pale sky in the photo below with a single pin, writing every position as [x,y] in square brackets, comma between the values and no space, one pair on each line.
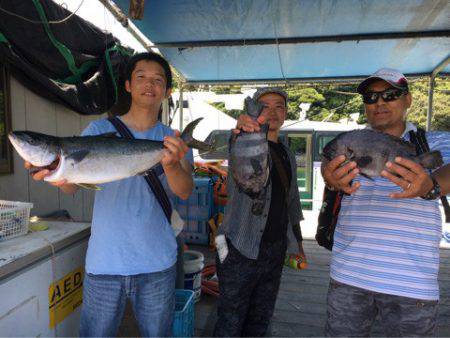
[95,12]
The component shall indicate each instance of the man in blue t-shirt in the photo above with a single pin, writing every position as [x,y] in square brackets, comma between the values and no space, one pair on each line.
[132,249]
[385,257]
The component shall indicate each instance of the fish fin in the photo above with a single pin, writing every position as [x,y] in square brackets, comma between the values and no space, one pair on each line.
[349,153]
[258,203]
[78,156]
[257,208]
[190,141]
[203,146]
[431,160]
[363,161]
[256,166]
[112,134]
[366,176]
[89,186]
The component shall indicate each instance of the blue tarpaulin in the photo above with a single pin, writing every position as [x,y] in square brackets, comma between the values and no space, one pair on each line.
[262,40]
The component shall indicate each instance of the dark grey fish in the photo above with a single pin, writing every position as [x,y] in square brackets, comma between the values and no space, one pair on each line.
[249,159]
[88,160]
[371,150]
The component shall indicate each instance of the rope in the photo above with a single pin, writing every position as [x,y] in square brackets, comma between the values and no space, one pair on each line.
[54,280]
[41,22]
[278,46]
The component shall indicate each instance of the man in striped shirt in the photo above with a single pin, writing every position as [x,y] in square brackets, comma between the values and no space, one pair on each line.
[385,258]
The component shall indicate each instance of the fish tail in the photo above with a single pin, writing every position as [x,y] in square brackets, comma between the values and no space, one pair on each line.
[252,107]
[431,160]
[190,141]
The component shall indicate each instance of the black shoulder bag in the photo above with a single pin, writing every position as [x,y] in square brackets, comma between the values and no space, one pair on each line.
[328,217]
[421,143]
[150,176]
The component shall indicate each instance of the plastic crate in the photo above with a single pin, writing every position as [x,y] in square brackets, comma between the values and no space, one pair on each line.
[183,323]
[14,219]
[196,211]
[196,232]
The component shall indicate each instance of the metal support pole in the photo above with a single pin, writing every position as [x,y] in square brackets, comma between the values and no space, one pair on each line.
[180,105]
[165,112]
[123,19]
[433,75]
[430,101]
[131,28]
[304,39]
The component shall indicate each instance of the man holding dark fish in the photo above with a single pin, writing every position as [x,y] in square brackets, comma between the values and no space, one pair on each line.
[132,249]
[262,218]
[385,257]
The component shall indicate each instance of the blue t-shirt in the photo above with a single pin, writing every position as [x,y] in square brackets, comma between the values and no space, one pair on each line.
[130,234]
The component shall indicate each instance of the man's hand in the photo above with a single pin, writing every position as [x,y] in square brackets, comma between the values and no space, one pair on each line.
[339,177]
[408,175]
[247,124]
[175,150]
[178,171]
[39,174]
[301,253]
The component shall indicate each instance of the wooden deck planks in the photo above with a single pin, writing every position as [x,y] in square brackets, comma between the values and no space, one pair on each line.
[300,309]
[301,304]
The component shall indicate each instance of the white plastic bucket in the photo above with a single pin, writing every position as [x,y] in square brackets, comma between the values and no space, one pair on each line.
[193,266]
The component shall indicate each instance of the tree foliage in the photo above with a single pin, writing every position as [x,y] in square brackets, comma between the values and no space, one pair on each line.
[441,104]
[234,113]
[333,102]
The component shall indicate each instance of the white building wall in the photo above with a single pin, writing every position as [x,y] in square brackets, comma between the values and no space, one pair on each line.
[32,112]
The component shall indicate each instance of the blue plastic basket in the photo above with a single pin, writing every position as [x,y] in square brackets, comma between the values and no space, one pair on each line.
[196,211]
[183,323]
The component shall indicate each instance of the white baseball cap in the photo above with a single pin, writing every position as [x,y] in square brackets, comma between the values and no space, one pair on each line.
[391,76]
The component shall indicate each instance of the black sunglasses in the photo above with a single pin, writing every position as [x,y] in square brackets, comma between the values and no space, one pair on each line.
[387,95]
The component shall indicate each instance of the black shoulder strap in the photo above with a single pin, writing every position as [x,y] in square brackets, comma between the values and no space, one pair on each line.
[150,176]
[420,141]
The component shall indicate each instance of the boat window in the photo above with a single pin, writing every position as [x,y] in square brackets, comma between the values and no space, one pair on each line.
[5,117]
[301,146]
[321,141]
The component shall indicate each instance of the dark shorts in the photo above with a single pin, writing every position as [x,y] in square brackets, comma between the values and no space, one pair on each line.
[351,311]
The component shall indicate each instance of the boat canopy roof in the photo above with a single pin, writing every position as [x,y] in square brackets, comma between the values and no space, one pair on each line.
[224,41]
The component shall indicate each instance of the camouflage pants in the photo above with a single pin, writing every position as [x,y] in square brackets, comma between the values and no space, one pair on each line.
[352,311]
[248,291]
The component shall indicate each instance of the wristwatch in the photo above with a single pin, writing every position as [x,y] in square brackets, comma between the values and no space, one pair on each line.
[435,192]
